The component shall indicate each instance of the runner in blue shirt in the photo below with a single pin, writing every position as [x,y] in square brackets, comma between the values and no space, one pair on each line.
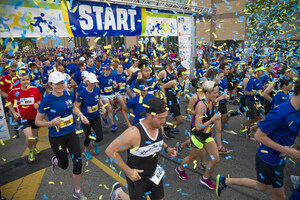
[106,84]
[286,86]
[136,103]
[276,134]
[104,60]
[82,85]
[59,108]
[77,77]
[121,94]
[89,101]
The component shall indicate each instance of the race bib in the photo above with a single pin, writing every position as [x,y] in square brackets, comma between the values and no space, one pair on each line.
[91,109]
[209,128]
[66,121]
[108,89]
[122,87]
[158,174]
[27,101]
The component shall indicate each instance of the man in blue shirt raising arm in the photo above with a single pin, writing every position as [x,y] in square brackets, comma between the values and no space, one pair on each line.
[277,133]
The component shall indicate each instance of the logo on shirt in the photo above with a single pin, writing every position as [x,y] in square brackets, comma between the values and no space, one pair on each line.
[96,98]
[69,103]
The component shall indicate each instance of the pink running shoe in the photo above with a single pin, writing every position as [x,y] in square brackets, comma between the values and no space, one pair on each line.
[181,174]
[208,183]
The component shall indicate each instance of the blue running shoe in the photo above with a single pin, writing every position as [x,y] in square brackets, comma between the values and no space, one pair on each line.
[95,147]
[114,128]
[105,121]
[88,155]
[220,185]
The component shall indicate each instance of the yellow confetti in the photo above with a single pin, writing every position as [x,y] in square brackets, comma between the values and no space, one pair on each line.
[51,183]
[59,148]
[46,108]
[80,131]
[74,9]
[154,155]
[195,164]
[264,151]
[56,129]
[132,115]
[134,149]
[4,159]
[105,105]
[100,197]
[214,34]
[61,183]
[7,104]
[146,106]
[141,100]
[133,175]
[92,137]
[153,113]
[169,123]
[291,123]
[107,2]
[2,143]
[86,171]
[32,138]
[91,47]
[233,132]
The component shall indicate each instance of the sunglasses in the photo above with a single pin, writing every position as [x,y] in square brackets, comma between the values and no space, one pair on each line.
[13,70]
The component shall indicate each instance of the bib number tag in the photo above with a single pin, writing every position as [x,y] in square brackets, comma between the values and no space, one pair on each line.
[158,174]
[66,121]
[122,87]
[27,101]
[108,89]
[209,128]
[91,109]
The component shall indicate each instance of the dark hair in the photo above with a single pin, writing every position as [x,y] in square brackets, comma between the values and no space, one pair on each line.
[32,65]
[297,88]
[80,64]
[281,82]
[194,82]
[143,63]
[223,65]
[180,71]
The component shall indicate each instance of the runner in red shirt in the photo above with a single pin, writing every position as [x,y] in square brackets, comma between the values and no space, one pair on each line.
[24,102]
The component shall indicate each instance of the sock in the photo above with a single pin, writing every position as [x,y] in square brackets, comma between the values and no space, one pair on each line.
[77,191]
[204,178]
[179,169]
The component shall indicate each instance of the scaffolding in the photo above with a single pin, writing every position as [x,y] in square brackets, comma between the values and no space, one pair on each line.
[166,5]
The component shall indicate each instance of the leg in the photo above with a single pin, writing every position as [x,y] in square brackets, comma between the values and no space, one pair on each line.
[29,142]
[97,127]
[109,110]
[35,133]
[87,131]
[122,103]
[212,150]
[194,153]
[218,133]
[247,182]
[58,146]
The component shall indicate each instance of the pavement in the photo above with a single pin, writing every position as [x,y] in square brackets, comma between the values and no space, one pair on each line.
[27,181]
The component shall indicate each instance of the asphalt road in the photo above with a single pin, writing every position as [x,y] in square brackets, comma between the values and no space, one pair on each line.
[96,182]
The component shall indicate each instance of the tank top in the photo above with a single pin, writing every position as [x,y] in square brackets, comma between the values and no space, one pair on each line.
[206,132]
[143,157]
[169,77]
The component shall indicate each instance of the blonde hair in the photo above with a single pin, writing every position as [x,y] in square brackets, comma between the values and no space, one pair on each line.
[209,86]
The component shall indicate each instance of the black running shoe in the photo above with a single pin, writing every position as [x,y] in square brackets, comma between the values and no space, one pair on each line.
[220,185]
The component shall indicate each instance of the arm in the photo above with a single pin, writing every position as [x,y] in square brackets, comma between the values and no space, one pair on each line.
[76,111]
[266,93]
[128,140]
[3,94]
[161,75]
[11,108]
[264,139]
[168,85]
[190,108]
[200,110]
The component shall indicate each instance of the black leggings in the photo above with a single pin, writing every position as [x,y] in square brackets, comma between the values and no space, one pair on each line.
[97,127]
[59,147]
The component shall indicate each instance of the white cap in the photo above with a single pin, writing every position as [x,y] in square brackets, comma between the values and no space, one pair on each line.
[56,77]
[81,59]
[84,73]
[91,78]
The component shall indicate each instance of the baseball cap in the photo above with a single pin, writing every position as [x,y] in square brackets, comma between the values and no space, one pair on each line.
[106,67]
[154,106]
[56,77]
[141,84]
[84,73]
[91,78]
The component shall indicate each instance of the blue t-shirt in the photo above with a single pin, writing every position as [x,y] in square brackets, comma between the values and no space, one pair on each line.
[89,103]
[77,77]
[91,70]
[282,125]
[106,84]
[254,84]
[47,69]
[59,106]
[121,78]
[264,78]
[98,71]
[223,88]
[200,72]
[137,107]
[105,62]
[80,87]
[279,98]
[153,85]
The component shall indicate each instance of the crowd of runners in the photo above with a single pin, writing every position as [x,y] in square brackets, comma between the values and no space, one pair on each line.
[68,90]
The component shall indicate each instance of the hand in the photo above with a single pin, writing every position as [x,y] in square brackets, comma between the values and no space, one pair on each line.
[292,153]
[217,116]
[55,122]
[133,174]
[84,119]
[103,111]
[36,106]
[172,152]
[16,115]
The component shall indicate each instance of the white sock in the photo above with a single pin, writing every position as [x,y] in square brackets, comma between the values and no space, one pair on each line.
[179,169]
[204,178]
[77,191]
[118,190]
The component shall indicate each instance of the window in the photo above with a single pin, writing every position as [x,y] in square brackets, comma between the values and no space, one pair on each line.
[102,41]
[118,41]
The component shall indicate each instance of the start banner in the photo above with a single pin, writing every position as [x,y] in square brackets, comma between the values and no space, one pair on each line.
[60,18]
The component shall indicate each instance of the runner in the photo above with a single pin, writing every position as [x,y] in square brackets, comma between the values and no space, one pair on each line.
[89,102]
[59,108]
[201,134]
[25,112]
[276,134]
[142,171]
[106,83]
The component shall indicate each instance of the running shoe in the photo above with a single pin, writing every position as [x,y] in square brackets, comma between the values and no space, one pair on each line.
[202,166]
[31,157]
[224,150]
[88,155]
[95,147]
[208,183]
[36,151]
[220,185]
[178,148]
[79,195]
[114,128]
[295,180]
[105,121]
[114,191]
[182,174]
[175,130]
[55,168]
